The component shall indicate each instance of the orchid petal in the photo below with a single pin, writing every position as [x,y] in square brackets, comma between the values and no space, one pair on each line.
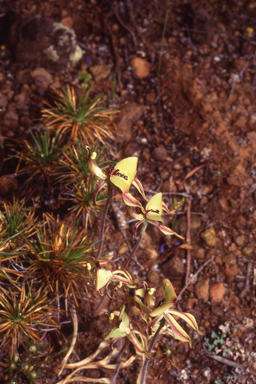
[103,277]
[136,226]
[169,292]
[131,201]
[162,308]
[94,168]
[164,229]
[190,319]
[154,216]
[125,173]
[137,184]
[166,209]
[97,190]
[122,330]
[155,203]
[178,331]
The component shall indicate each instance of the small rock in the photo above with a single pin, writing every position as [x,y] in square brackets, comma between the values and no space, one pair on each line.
[146,154]
[209,237]
[67,21]
[202,290]
[174,268]
[217,292]
[160,153]
[11,119]
[248,250]
[131,148]
[3,101]
[100,71]
[150,98]
[151,254]
[8,185]
[224,205]
[145,241]
[240,240]
[198,252]
[129,115]
[140,66]
[239,222]
[153,277]
[42,78]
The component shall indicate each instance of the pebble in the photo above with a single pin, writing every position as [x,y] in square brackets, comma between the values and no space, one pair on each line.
[151,253]
[150,98]
[159,153]
[145,241]
[209,237]
[141,67]
[240,240]
[248,250]
[174,268]
[198,252]
[153,277]
[3,101]
[239,222]
[129,115]
[8,185]
[223,203]
[202,290]
[42,78]
[67,21]
[100,71]
[217,292]
[11,119]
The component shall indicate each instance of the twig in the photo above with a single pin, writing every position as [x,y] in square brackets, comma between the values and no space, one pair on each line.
[193,278]
[188,241]
[248,272]
[74,339]
[133,252]
[228,362]
[125,26]
[103,221]
[144,368]
[191,173]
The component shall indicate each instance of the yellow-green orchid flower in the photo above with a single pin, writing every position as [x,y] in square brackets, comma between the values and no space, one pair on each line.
[151,215]
[104,277]
[124,329]
[121,176]
[166,311]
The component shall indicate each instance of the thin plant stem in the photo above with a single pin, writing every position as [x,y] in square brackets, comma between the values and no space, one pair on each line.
[103,222]
[133,252]
[160,54]
[145,363]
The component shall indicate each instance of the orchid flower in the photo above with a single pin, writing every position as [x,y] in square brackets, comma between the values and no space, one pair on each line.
[166,311]
[151,215]
[104,277]
[121,176]
[124,329]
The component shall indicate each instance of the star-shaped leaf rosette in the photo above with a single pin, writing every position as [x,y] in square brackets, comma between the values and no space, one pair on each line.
[166,311]
[152,214]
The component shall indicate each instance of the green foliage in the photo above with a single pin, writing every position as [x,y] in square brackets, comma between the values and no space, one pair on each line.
[80,118]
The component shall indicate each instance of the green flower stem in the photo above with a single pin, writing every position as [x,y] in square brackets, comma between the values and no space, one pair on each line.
[103,221]
[133,252]
[145,363]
